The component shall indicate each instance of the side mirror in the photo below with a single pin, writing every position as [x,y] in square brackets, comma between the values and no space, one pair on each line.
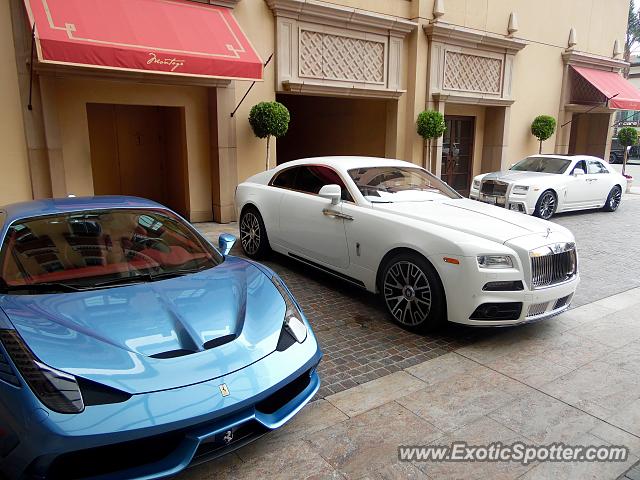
[578,171]
[331,192]
[226,242]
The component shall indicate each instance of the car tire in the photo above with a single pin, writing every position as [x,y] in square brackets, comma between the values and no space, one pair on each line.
[546,205]
[613,158]
[253,234]
[613,199]
[412,293]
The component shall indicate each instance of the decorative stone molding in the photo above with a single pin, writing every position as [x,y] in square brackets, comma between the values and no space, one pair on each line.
[513,26]
[466,37]
[616,49]
[573,39]
[438,9]
[583,59]
[327,49]
[470,66]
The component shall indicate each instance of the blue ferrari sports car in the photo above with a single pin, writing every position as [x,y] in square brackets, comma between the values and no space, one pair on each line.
[131,348]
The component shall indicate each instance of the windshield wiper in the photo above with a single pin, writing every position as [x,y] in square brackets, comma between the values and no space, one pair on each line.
[147,277]
[47,287]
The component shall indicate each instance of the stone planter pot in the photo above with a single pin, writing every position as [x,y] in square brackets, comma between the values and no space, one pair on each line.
[629,184]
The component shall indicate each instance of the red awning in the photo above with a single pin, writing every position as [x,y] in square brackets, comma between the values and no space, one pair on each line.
[176,37]
[627,97]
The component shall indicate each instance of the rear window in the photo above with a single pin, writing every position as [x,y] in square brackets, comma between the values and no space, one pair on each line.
[81,248]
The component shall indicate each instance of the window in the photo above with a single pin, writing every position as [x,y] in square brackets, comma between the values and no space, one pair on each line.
[310,179]
[542,165]
[593,166]
[397,184]
[286,178]
[581,165]
[85,248]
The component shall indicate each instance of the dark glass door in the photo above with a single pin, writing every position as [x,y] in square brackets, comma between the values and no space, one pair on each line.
[457,153]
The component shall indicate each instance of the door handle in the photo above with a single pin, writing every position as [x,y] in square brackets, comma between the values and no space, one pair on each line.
[333,214]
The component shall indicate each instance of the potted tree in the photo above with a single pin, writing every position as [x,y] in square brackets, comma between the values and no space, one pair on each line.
[627,137]
[430,125]
[542,128]
[269,119]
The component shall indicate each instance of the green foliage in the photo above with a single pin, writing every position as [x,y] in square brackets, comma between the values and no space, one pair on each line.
[633,30]
[543,127]
[430,124]
[628,136]
[269,119]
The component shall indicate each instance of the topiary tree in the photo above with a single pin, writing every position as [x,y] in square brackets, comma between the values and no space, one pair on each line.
[627,137]
[269,119]
[430,125]
[542,128]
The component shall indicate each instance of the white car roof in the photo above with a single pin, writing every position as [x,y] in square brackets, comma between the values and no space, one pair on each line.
[568,157]
[347,162]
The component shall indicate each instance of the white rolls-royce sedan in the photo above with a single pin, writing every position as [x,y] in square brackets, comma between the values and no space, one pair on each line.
[543,185]
[395,229]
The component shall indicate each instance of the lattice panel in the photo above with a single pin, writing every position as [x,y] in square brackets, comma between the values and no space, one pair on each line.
[472,73]
[334,57]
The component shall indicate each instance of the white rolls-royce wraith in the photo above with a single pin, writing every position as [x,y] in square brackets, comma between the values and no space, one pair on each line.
[395,229]
[543,185]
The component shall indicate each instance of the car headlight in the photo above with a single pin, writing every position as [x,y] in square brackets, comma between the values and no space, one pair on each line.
[476,184]
[57,390]
[495,261]
[293,323]
[520,189]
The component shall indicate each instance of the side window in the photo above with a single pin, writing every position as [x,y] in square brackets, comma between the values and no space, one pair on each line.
[312,178]
[580,165]
[596,167]
[286,178]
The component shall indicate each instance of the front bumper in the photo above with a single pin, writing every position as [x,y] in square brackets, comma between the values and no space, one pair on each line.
[465,294]
[158,434]
[516,203]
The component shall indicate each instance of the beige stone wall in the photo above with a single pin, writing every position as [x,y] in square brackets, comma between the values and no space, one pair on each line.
[257,21]
[15,180]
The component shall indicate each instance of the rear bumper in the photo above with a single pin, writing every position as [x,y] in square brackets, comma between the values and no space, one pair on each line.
[156,435]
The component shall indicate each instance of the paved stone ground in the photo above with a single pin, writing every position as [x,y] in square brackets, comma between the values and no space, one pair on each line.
[572,380]
[361,343]
[632,474]
[608,249]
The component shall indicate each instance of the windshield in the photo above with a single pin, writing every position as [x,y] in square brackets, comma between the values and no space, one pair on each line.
[400,184]
[84,249]
[542,165]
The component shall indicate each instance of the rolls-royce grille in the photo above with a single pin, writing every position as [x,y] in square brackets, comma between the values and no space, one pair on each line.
[493,187]
[554,267]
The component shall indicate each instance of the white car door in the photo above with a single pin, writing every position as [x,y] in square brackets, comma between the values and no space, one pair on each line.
[310,226]
[600,183]
[578,187]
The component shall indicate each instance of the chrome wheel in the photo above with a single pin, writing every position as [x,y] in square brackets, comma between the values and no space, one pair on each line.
[250,233]
[407,293]
[547,205]
[614,198]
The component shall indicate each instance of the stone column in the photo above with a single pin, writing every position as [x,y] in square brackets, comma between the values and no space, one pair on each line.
[53,137]
[224,168]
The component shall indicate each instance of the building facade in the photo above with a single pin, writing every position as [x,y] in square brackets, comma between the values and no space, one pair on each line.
[354,75]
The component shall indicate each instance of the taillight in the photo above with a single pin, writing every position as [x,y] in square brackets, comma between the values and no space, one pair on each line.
[57,390]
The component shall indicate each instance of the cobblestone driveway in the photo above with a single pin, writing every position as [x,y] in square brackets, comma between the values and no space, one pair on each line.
[361,343]
[608,249]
